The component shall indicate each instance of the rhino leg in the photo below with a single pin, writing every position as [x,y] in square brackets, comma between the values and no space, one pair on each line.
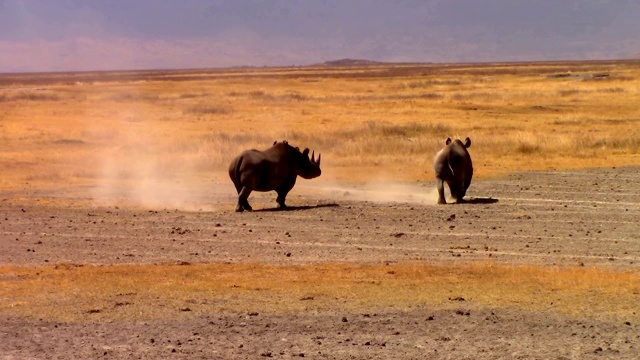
[243,202]
[458,193]
[440,186]
[283,191]
[280,199]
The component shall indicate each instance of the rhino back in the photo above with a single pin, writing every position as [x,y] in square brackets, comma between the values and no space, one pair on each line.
[265,170]
[453,161]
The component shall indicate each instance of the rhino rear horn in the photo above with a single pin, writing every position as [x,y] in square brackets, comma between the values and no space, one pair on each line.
[313,156]
[318,162]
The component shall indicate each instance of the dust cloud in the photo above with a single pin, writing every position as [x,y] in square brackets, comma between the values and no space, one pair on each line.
[137,171]
[147,187]
[378,191]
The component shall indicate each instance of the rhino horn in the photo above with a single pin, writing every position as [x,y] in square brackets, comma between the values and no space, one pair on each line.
[318,159]
[313,155]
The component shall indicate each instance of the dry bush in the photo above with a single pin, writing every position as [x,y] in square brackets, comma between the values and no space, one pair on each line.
[571,92]
[29,96]
[287,97]
[568,121]
[205,109]
[191,95]
[484,96]
[616,89]
[133,97]
[430,83]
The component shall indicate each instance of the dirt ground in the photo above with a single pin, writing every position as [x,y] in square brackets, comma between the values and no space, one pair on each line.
[557,219]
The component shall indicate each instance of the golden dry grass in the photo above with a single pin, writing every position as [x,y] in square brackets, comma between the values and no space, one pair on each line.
[377,121]
[59,130]
[71,293]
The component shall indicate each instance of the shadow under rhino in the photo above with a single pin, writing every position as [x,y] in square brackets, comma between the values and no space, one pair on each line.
[488,200]
[298,208]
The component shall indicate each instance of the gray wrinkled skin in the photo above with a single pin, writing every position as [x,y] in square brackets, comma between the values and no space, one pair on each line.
[453,166]
[273,169]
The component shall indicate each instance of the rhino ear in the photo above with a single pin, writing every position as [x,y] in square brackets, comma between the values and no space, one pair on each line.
[448,141]
[467,142]
[275,142]
[306,152]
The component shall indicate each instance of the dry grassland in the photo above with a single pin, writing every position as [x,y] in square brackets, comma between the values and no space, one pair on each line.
[375,122]
[369,122]
[69,293]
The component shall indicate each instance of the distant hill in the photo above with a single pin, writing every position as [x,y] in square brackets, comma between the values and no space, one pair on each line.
[350,62]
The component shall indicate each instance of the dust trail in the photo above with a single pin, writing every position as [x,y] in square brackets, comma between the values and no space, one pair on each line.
[154,193]
[138,170]
[382,192]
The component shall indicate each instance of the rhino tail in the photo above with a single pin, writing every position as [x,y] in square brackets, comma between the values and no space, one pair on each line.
[450,165]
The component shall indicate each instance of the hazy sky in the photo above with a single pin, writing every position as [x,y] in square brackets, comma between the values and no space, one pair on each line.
[62,35]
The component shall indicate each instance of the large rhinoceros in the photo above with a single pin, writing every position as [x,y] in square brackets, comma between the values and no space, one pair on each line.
[273,169]
[453,165]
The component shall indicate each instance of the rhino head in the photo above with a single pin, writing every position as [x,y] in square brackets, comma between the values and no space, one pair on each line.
[467,142]
[309,168]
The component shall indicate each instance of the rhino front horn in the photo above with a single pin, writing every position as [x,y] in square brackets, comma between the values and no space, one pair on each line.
[319,155]
[313,154]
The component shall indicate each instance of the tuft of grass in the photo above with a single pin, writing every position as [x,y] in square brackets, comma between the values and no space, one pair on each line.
[429,95]
[562,122]
[191,95]
[132,97]
[376,128]
[527,148]
[205,109]
[29,96]
[616,89]
[571,92]
[430,83]
[484,96]
[630,142]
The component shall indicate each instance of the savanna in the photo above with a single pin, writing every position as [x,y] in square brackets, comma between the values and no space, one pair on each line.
[120,240]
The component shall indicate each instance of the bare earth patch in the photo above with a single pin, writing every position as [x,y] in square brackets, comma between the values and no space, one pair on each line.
[539,265]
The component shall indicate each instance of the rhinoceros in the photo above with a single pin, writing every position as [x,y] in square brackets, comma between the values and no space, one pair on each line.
[273,169]
[453,165]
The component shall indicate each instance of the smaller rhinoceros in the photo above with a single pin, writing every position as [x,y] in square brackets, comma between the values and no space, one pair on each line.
[273,169]
[453,165]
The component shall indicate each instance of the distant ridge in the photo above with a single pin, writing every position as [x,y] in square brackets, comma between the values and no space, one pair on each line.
[350,62]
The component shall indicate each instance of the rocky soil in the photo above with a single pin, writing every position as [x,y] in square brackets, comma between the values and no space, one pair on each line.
[579,218]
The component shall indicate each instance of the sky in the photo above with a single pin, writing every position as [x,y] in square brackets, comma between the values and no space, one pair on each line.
[85,35]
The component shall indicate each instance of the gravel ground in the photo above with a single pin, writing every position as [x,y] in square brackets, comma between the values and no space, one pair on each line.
[579,218]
